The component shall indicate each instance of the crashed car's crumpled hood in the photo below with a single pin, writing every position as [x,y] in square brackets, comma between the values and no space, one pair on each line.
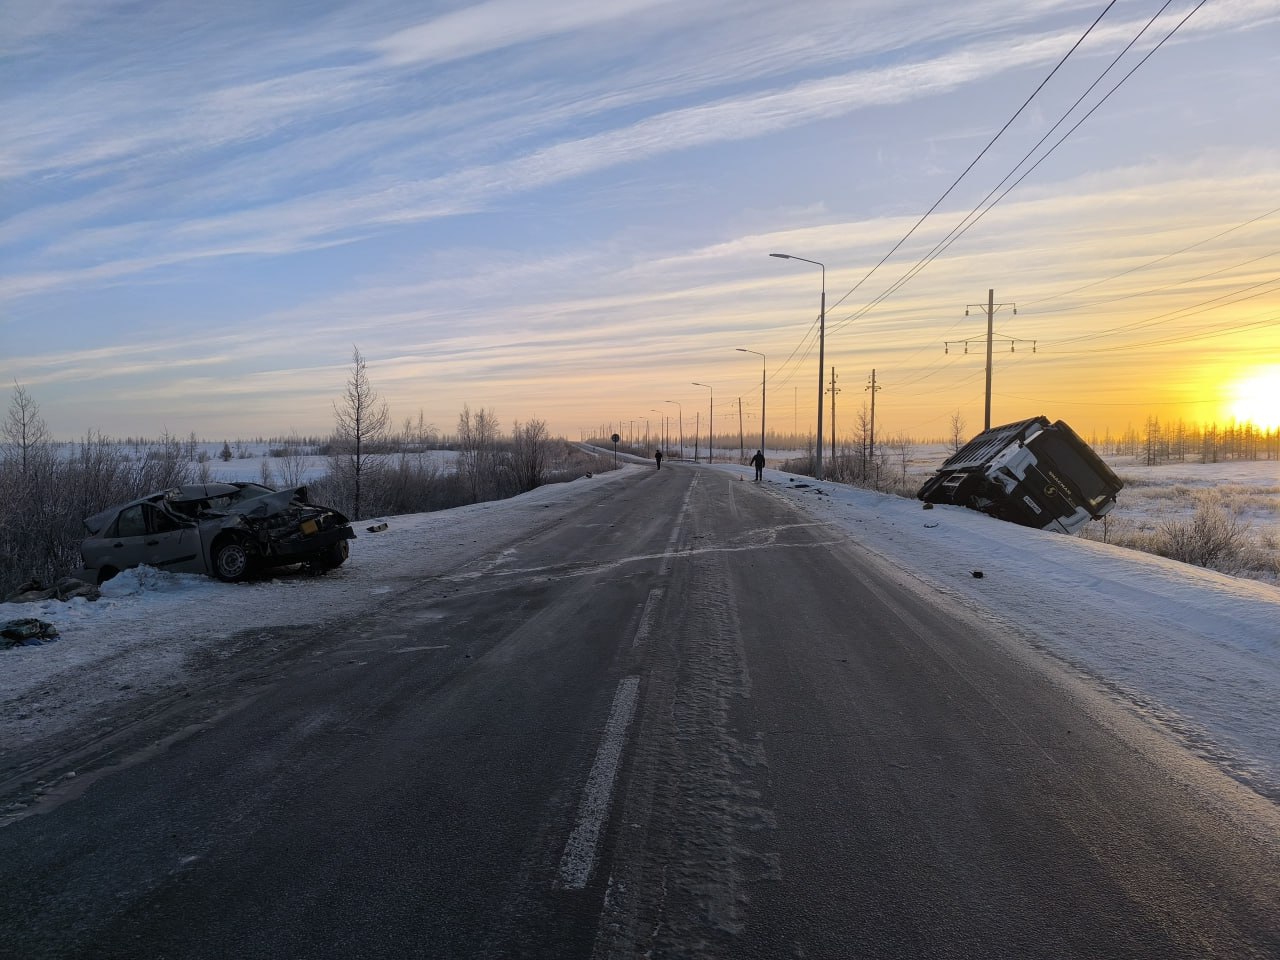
[191,492]
[265,505]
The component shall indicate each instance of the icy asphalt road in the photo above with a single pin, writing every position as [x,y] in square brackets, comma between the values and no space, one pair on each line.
[678,720]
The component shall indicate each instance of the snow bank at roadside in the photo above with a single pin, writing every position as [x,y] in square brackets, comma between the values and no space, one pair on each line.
[1195,649]
[148,622]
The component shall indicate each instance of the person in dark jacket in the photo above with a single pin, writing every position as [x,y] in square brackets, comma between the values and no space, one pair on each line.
[758,462]
[657,455]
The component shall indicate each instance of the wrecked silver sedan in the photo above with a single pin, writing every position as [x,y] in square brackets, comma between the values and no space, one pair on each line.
[225,530]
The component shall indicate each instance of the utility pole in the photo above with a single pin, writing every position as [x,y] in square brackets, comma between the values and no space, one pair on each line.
[873,388]
[990,309]
[833,391]
[742,437]
[697,428]
[711,424]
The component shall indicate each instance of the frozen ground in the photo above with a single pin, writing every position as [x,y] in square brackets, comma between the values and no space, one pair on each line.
[251,468]
[1195,651]
[1249,490]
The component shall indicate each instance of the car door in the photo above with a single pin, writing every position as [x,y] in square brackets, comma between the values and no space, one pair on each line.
[144,534]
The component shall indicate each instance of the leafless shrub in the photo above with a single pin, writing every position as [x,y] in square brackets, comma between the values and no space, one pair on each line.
[47,489]
[291,462]
[479,462]
[1212,537]
[529,454]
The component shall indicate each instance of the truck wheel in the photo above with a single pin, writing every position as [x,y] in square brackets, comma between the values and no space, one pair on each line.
[230,561]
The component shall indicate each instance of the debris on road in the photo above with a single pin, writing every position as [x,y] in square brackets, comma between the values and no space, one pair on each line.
[67,588]
[26,632]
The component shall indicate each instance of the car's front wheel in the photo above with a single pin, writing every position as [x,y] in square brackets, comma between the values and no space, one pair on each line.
[334,556]
[231,561]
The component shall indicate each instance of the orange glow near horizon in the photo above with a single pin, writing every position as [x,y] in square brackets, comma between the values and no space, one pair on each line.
[1255,398]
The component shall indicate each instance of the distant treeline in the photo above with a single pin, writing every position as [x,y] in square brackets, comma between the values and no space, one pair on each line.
[1178,442]
[47,487]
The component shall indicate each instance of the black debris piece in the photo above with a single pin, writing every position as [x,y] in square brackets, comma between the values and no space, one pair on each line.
[26,632]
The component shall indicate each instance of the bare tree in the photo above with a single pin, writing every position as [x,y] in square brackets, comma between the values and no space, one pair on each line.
[529,453]
[478,437]
[293,464]
[957,431]
[361,423]
[24,430]
[902,448]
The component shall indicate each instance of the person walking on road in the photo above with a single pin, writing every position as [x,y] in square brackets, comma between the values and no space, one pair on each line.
[758,462]
[657,455]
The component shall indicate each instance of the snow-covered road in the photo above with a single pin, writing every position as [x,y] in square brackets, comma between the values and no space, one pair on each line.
[1193,650]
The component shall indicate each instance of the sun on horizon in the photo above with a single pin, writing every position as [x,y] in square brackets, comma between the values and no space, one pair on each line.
[1255,398]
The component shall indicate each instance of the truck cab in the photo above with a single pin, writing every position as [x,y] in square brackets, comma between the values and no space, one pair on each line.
[1032,472]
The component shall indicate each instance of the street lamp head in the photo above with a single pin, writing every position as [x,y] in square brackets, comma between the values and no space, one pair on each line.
[781,256]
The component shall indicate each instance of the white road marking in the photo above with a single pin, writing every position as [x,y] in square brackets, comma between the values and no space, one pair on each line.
[597,796]
[438,646]
[646,617]
[665,567]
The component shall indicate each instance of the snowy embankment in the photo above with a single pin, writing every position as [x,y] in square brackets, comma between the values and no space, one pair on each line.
[1196,651]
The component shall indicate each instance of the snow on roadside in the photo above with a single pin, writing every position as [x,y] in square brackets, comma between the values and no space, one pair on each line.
[1194,649]
[148,623]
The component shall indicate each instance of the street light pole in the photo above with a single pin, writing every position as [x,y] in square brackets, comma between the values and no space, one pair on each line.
[763,367]
[822,341]
[711,428]
[679,410]
[662,439]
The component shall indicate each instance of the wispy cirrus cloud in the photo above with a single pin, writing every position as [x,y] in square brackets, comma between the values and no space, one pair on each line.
[325,216]
[508,192]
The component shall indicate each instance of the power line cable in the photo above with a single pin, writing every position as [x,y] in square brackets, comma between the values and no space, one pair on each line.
[1151,263]
[1180,314]
[974,216]
[946,193]
[1188,338]
[1169,286]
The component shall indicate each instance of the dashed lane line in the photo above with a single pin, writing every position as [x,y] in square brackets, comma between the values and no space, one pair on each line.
[597,796]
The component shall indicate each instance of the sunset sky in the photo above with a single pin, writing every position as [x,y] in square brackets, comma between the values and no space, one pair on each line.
[563,209]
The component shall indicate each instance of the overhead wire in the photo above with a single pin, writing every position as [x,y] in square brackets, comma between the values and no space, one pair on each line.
[984,207]
[1153,290]
[1181,313]
[1151,263]
[983,152]
[946,192]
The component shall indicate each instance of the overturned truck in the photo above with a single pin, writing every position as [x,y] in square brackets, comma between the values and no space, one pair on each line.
[1032,472]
